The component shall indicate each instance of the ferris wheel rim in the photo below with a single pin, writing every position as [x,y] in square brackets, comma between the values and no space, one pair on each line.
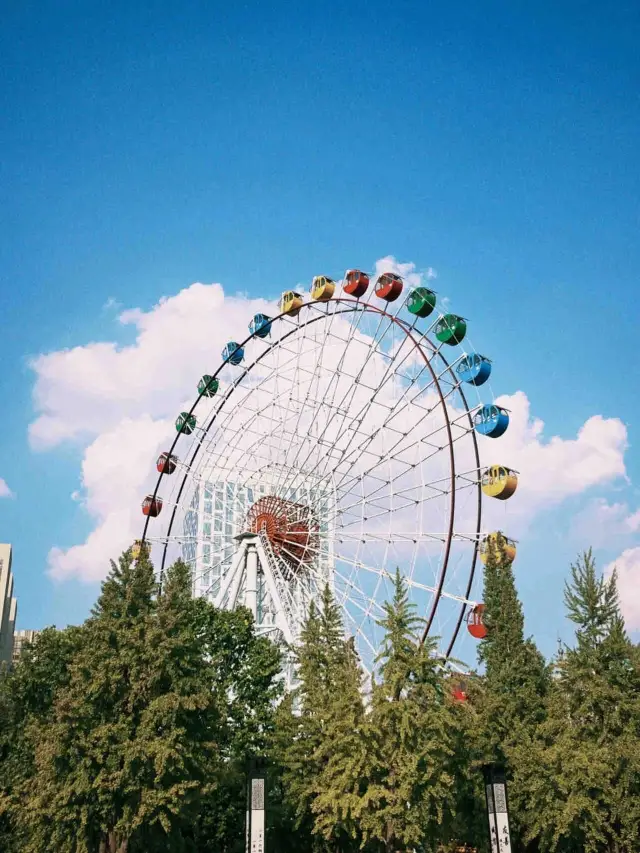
[350,306]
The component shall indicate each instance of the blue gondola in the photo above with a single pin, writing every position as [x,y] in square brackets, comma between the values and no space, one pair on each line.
[260,325]
[233,353]
[491,420]
[474,369]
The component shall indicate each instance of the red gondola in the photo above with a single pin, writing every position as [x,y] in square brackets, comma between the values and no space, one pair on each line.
[356,283]
[166,463]
[152,506]
[458,693]
[475,622]
[389,286]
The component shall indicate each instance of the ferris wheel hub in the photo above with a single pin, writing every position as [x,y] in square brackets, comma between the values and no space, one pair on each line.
[290,528]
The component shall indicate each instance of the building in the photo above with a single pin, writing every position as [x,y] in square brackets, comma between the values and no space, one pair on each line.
[20,640]
[8,606]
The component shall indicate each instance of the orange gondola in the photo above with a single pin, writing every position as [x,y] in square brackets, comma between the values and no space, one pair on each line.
[475,622]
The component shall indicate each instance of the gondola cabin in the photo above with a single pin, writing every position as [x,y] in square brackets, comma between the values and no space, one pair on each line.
[499,482]
[504,547]
[389,286]
[136,549]
[208,386]
[356,283]
[322,288]
[474,369]
[421,301]
[185,423]
[152,506]
[291,303]
[166,463]
[260,326]
[491,420]
[458,693]
[451,329]
[233,353]
[475,622]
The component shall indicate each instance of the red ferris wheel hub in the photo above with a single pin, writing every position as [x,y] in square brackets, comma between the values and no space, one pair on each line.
[289,527]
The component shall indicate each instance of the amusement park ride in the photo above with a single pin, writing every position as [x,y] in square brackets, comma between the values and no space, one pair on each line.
[336,443]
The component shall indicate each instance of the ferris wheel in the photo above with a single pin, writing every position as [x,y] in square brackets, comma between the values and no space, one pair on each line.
[337,443]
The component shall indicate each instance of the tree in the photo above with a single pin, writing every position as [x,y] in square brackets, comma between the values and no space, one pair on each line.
[315,725]
[27,694]
[122,758]
[516,674]
[409,798]
[583,776]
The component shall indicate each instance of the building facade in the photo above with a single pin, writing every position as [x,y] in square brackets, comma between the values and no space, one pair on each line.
[8,606]
[20,640]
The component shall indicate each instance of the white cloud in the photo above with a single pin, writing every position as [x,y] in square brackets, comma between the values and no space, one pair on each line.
[120,402]
[5,491]
[628,568]
[601,522]
[556,468]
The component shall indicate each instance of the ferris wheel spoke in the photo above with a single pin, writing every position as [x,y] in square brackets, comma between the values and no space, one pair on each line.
[391,457]
[353,387]
[359,564]
[393,410]
[336,375]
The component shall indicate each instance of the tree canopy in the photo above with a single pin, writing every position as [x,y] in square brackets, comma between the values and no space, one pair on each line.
[133,732]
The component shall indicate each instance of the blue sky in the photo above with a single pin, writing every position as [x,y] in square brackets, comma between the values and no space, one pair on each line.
[257,144]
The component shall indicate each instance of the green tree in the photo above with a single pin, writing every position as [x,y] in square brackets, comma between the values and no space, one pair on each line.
[27,694]
[409,801]
[315,724]
[516,674]
[244,670]
[582,777]
[511,703]
[122,758]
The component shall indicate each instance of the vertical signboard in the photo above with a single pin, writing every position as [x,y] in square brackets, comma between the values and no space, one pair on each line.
[495,785]
[255,833]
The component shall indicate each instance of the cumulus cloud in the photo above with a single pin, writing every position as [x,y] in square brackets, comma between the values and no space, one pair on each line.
[5,491]
[120,402]
[628,569]
[553,469]
[601,522]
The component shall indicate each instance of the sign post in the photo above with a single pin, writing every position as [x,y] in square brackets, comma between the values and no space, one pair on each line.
[256,796]
[495,787]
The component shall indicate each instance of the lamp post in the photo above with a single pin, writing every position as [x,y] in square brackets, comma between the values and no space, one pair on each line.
[495,788]
[256,797]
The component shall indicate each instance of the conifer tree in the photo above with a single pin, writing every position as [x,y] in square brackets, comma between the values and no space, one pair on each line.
[511,703]
[316,725]
[583,780]
[409,798]
[516,675]
[120,758]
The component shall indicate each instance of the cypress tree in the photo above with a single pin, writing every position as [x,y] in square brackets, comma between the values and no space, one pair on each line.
[511,704]
[584,779]
[409,799]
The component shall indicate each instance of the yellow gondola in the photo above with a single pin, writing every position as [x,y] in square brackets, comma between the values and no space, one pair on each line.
[291,302]
[499,482]
[498,539]
[136,549]
[322,288]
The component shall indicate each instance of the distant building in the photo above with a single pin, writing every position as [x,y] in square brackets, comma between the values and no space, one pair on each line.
[8,605]
[20,640]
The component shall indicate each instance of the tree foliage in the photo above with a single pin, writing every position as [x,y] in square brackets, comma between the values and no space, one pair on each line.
[582,774]
[132,732]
